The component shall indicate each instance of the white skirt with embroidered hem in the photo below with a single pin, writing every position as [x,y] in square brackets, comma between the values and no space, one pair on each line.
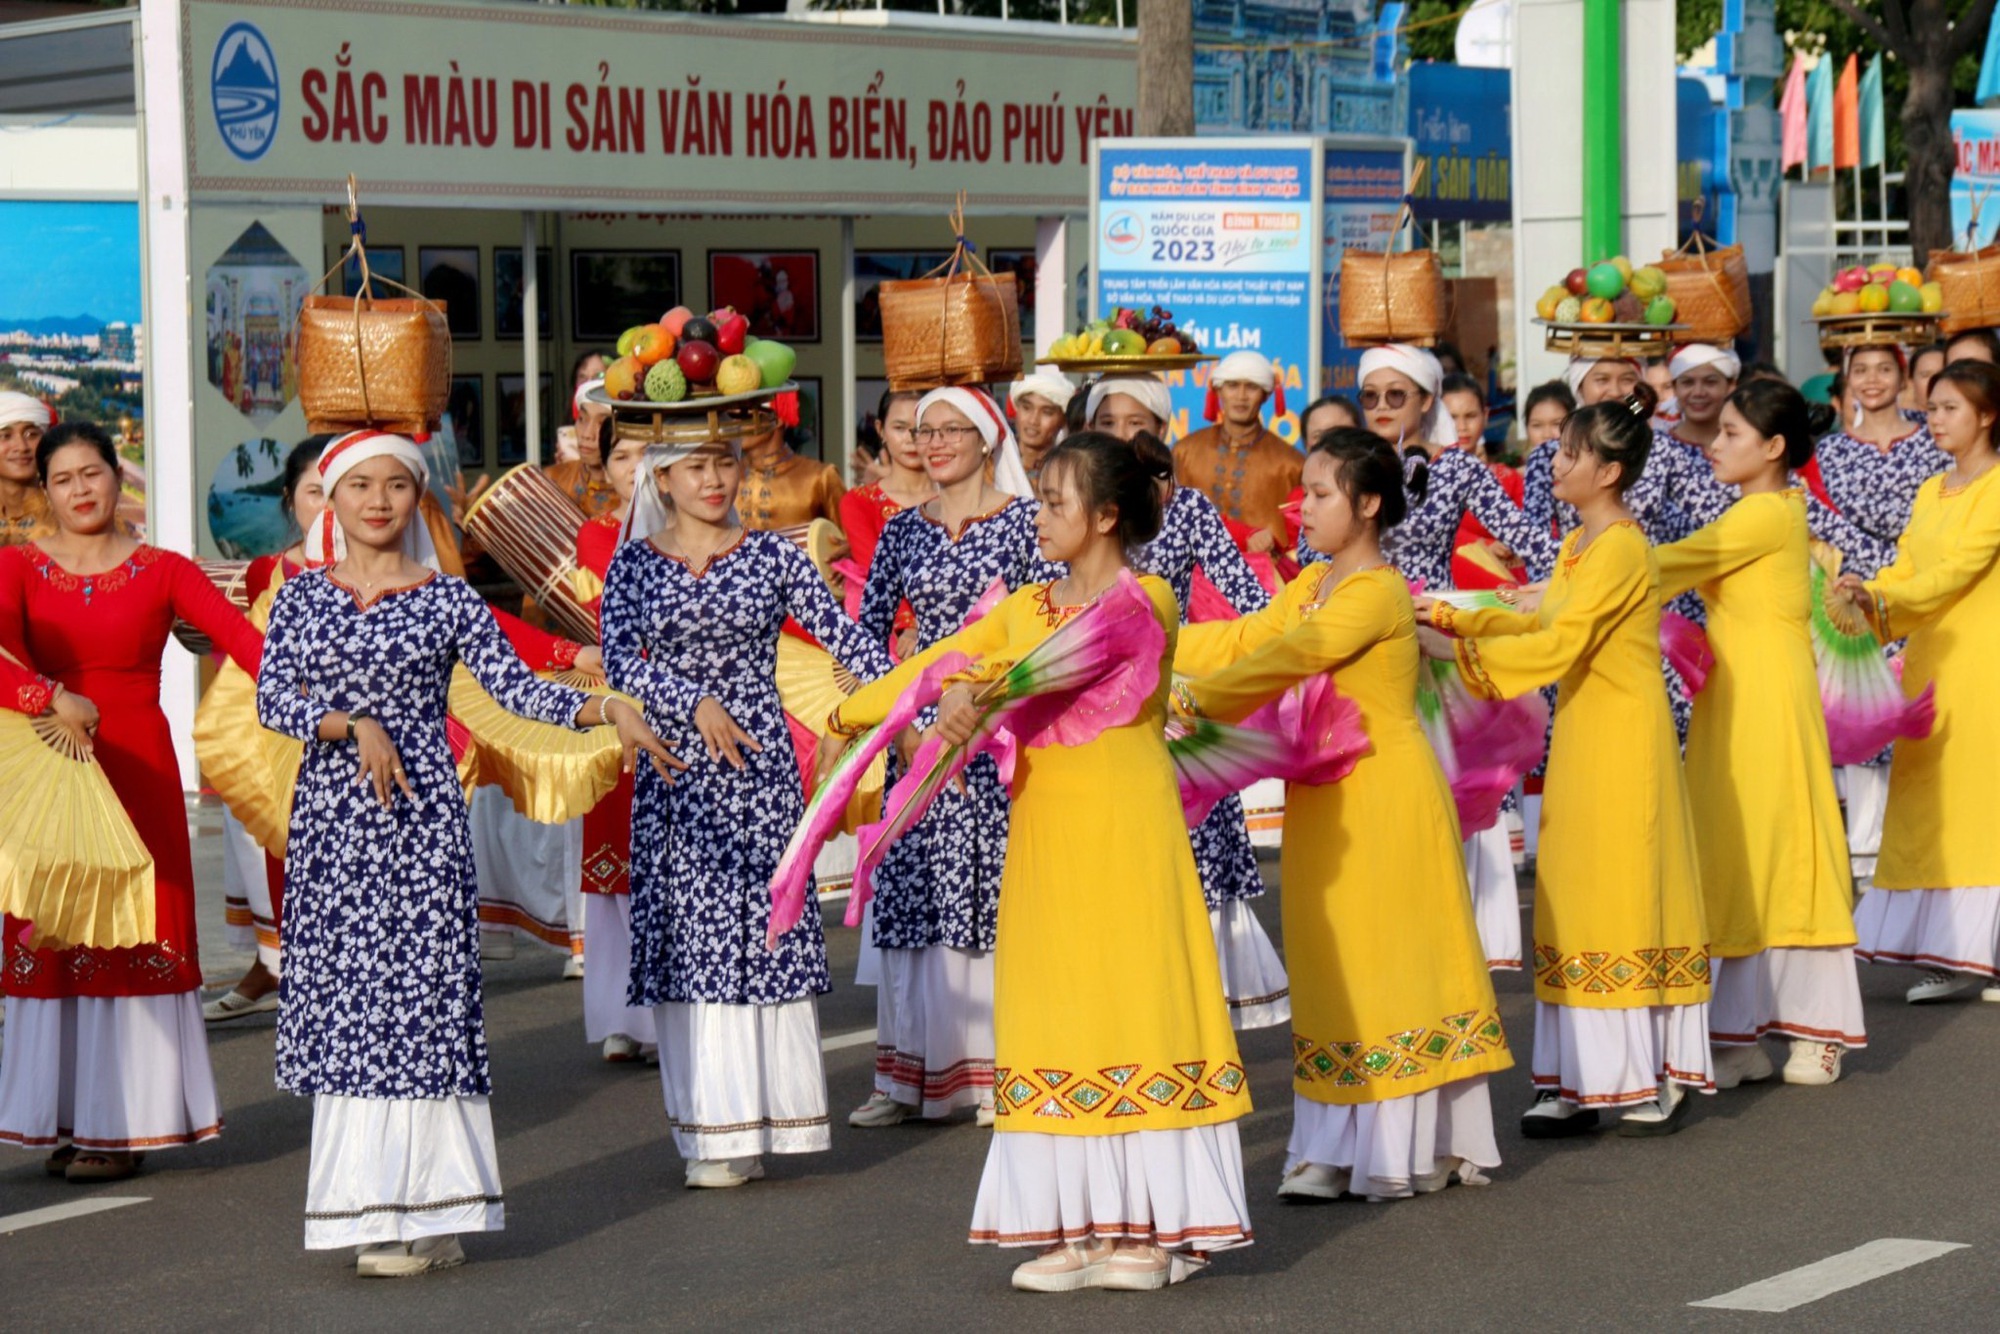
[397,1169]
[1253,976]
[607,944]
[1179,1189]
[1813,995]
[1496,895]
[264,919]
[868,964]
[1954,929]
[526,870]
[242,871]
[934,1027]
[112,1073]
[1866,788]
[1619,1058]
[742,1080]
[1387,1145]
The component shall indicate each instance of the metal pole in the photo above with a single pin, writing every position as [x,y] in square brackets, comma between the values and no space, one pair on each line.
[1603,130]
[531,339]
[851,407]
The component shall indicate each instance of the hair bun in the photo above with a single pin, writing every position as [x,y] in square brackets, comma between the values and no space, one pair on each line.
[1637,406]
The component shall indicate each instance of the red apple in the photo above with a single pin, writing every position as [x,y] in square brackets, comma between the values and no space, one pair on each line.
[1578,282]
[675,318]
[698,360]
[730,331]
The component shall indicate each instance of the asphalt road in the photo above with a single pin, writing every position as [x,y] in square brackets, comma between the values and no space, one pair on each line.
[1606,1232]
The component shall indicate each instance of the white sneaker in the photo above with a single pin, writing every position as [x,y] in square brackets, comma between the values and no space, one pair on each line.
[496,944]
[984,1116]
[1813,1062]
[715,1174]
[1662,1116]
[1137,1269]
[573,968]
[1990,992]
[407,1259]
[1314,1181]
[1937,985]
[1740,1065]
[1552,1118]
[618,1048]
[1066,1268]
[879,1110]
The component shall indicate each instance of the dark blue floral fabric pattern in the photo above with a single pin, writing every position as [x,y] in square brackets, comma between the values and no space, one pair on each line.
[381,925]
[1676,492]
[704,847]
[1874,489]
[940,883]
[1192,533]
[1456,484]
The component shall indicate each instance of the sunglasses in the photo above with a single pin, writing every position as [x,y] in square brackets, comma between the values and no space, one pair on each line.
[1392,399]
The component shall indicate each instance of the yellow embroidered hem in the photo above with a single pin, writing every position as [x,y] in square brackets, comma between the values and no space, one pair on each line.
[1348,1073]
[1622,979]
[1119,1098]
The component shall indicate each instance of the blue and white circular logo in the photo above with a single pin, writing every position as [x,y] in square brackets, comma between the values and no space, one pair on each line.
[244,85]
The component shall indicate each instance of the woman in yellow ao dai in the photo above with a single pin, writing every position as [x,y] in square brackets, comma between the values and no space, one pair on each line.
[1775,877]
[1936,898]
[1394,1025]
[1117,1078]
[1621,951]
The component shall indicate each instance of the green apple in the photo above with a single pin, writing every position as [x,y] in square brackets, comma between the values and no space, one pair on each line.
[774,359]
[1660,310]
[1605,280]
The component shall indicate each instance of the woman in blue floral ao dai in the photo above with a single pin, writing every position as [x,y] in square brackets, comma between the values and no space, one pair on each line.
[693,607]
[380,1021]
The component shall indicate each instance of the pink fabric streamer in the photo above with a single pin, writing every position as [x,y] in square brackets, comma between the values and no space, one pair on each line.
[1686,650]
[1310,735]
[792,880]
[1093,673]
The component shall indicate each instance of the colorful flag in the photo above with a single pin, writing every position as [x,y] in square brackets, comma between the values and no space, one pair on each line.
[1792,115]
[1847,116]
[1819,117]
[1874,146]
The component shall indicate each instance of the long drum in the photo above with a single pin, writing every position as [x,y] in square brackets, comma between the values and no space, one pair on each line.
[529,526]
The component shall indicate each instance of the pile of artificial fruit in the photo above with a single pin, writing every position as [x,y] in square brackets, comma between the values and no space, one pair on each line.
[687,355]
[1877,290]
[1126,332]
[1610,292]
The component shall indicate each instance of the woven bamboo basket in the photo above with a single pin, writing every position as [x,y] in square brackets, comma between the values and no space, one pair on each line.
[1393,296]
[958,324]
[372,362]
[1971,284]
[1710,288]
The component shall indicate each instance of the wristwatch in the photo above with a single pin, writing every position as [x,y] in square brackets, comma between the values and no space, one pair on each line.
[360,714]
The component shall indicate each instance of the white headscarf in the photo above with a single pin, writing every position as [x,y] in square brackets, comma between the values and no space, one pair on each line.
[1244,367]
[650,510]
[1579,368]
[1055,389]
[326,541]
[1148,391]
[16,407]
[991,423]
[1422,369]
[1694,356]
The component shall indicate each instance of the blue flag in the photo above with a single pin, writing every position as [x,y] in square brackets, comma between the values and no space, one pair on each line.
[1819,116]
[1874,145]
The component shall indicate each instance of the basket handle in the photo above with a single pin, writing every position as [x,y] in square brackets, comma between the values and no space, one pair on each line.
[965,254]
[1407,215]
[357,248]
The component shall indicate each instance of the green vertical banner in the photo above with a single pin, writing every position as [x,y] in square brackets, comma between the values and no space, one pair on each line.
[1603,131]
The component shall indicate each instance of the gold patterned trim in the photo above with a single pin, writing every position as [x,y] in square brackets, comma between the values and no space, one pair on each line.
[1413,1054]
[1473,669]
[1443,616]
[1119,1092]
[1607,973]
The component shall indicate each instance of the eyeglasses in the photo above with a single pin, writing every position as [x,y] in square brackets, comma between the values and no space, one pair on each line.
[1392,399]
[951,435]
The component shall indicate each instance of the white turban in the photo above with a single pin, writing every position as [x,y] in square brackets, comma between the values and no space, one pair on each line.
[1148,391]
[1422,368]
[1055,389]
[326,541]
[1580,367]
[16,407]
[979,408]
[1245,367]
[1694,356]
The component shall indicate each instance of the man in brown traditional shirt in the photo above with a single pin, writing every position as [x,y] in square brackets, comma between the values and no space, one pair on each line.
[1246,470]
[781,488]
[24,510]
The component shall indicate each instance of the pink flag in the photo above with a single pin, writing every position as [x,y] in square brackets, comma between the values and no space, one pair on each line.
[1792,115]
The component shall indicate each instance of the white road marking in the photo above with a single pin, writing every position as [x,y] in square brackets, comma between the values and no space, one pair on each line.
[56,1213]
[859,1038]
[1836,1273]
